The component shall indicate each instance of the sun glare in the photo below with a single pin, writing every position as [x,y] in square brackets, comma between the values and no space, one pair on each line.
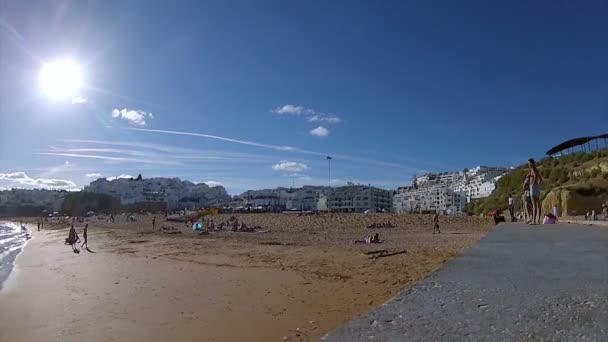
[60,79]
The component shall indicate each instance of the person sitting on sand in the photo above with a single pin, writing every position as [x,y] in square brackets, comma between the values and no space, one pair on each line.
[436,224]
[497,217]
[375,239]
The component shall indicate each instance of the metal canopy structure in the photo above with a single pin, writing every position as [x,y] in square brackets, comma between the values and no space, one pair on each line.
[583,142]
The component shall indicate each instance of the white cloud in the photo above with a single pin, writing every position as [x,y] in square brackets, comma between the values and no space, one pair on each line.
[320,131]
[213,184]
[94,175]
[290,166]
[311,115]
[292,110]
[135,117]
[119,177]
[79,100]
[21,178]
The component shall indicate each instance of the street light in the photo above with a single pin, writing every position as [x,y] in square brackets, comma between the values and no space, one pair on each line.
[328,180]
[329,171]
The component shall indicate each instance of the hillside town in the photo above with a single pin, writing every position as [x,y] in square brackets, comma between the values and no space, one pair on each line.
[430,192]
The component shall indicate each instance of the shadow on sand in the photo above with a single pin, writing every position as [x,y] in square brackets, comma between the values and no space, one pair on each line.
[89,250]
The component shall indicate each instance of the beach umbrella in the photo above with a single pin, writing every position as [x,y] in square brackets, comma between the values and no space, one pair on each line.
[197,226]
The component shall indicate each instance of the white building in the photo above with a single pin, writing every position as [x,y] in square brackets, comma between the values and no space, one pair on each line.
[305,198]
[359,198]
[428,199]
[177,194]
[447,192]
[478,182]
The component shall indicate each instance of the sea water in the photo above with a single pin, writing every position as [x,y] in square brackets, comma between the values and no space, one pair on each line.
[12,241]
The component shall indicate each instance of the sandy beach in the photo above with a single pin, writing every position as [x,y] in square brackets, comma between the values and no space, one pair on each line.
[297,282]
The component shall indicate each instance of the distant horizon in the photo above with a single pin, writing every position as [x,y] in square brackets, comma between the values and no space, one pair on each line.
[336,183]
[257,95]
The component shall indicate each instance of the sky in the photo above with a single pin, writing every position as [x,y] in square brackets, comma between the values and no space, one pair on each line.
[256,94]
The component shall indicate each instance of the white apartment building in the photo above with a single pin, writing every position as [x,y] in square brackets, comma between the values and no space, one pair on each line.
[428,199]
[305,198]
[478,182]
[359,198]
[447,192]
[173,191]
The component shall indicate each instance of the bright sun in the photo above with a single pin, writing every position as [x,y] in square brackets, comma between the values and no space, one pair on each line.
[60,79]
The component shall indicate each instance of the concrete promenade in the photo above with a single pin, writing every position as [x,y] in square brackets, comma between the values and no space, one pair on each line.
[519,283]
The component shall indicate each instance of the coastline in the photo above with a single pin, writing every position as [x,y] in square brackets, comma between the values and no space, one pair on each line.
[9,266]
[142,286]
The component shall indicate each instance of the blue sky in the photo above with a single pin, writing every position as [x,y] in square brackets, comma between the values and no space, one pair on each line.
[397,87]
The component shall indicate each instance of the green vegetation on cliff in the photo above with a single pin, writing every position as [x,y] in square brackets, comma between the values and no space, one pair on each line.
[576,182]
[79,203]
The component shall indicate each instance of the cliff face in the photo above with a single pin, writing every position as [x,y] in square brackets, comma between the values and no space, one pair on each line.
[576,182]
[572,203]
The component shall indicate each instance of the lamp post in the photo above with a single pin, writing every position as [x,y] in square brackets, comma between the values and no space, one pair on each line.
[328,180]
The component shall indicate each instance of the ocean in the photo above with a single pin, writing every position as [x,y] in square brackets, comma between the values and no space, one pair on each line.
[12,241]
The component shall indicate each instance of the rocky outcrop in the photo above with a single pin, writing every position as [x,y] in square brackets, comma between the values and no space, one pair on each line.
[602,167]
[571,203]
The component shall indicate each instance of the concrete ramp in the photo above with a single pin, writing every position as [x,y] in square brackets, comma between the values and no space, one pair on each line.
[519,283]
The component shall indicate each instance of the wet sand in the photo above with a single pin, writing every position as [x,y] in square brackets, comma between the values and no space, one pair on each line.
[297,282]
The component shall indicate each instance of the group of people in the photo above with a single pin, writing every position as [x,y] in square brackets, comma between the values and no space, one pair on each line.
[73,239]
[593,216]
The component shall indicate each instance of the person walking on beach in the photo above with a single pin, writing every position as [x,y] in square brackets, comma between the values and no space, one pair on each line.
[84,235]
[38,225]
[436,224]
[535,180]
[73,239]
[512,207]
[154,223]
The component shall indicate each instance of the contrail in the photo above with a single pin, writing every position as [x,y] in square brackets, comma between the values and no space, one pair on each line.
[270,146]
[237,141]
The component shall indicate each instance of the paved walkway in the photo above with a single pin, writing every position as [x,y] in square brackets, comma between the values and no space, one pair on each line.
[519,283]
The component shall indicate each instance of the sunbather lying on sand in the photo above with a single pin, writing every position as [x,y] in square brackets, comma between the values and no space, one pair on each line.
[370,239]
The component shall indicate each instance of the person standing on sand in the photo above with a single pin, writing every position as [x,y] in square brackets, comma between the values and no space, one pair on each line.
[73,238]
[527,201]
[555,211]
[535,180]
[512,207]
[154,223]
[436,223]
[38,225]
[84,235]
